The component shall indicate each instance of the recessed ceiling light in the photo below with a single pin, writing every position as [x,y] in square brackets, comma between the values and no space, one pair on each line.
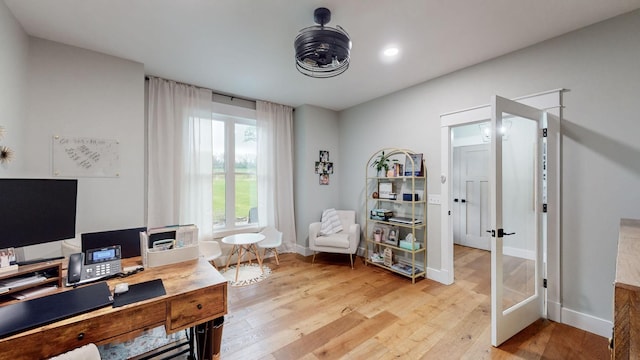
[391,51]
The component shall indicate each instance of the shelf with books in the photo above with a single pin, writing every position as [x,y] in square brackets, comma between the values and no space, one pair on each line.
[396,211]
[30,281]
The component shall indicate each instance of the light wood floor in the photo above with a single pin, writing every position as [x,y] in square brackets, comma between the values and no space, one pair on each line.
[329,311]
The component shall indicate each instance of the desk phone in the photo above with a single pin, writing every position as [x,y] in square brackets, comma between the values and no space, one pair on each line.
[93,264]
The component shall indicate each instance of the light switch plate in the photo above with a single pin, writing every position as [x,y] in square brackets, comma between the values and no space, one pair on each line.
[434,199]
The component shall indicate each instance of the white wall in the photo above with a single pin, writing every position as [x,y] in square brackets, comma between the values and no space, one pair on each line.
[314,129]
[79,93]
[13,72]
[76,92]
[599,68]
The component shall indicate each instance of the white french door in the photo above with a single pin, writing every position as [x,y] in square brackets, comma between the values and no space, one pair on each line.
[518,234]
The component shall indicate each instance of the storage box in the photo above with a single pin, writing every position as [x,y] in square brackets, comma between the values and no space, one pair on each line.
[409,245]
[186,246]
[409,197]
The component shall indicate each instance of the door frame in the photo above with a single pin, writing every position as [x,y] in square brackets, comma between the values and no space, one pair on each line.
[550,101]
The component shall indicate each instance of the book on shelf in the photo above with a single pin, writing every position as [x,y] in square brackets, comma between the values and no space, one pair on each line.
[405,220]
[377,258]
[29,293]
[379,218]
[22,281]
[380,214]
[406,262]
[407,269]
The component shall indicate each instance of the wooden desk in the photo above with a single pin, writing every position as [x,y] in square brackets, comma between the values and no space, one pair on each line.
[196,294]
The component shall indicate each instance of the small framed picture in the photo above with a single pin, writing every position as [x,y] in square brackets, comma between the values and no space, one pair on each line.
[388,257]
[328,168]
[413,165]
[392,236]
[7,257]
[324,167]
[324,156]
[324,179]
[385,189]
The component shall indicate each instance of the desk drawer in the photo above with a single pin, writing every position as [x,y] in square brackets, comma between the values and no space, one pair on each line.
[25,347]
[105,327]
[88,329]
[196,307]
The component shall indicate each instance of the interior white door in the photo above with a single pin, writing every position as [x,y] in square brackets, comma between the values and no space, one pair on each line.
[475,195]
[517,294]
[471,196]
[455,195]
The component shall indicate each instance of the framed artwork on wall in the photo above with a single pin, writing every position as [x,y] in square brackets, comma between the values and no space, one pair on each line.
[323,167]
[324,179]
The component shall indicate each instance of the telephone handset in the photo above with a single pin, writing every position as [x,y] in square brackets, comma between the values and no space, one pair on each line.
[94,264]
[74,270]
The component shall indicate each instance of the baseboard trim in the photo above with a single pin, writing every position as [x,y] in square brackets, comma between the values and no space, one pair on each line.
[439,275]
[554,311]
[303,250]
[588,323]
[519,253]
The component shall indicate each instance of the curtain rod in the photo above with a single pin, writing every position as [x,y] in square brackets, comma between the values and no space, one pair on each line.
[231,97]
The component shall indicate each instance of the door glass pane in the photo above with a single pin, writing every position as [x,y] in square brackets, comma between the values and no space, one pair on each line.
[519,138]
[219,172]
[246,197]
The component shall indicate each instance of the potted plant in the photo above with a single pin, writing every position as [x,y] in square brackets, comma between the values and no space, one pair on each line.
[382,162]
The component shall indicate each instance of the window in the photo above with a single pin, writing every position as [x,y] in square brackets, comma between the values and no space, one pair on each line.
[235,190]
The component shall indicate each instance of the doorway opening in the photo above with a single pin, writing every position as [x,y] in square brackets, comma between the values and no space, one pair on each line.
[464,178]
[470,186]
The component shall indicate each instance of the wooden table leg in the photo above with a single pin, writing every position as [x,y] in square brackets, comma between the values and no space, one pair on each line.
[255,249]
[233,251]
[240,248]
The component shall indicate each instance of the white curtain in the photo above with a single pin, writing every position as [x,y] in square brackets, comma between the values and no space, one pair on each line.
[275,170]
[179,165]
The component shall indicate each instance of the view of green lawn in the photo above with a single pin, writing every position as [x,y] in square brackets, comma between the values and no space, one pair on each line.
[246,191]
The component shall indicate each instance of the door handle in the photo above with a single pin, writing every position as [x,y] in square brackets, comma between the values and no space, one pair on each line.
[501,233]
[463,200]
[455,200]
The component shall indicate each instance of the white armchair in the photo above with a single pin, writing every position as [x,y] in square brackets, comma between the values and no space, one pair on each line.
[343,242]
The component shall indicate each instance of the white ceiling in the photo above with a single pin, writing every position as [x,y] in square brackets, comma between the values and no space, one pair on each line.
[245,47]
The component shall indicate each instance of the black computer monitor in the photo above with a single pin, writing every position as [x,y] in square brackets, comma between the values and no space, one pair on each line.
[128,239]
[35,211]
